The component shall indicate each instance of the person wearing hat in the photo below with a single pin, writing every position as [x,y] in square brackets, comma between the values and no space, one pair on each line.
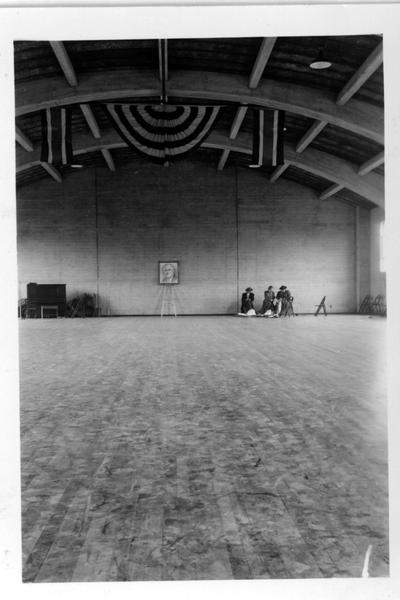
[247,307]
[283,296]
[268,306]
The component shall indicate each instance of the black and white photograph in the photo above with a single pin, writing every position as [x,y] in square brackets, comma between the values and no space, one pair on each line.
[162,437]
[169,272]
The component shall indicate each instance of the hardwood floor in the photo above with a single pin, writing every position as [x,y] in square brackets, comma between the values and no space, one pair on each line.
[203,448]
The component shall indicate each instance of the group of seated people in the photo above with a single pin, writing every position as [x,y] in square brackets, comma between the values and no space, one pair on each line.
[274,305]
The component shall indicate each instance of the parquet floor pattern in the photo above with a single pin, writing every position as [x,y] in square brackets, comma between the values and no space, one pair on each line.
[203,448]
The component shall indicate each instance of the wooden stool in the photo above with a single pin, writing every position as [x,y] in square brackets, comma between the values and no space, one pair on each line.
[48,307]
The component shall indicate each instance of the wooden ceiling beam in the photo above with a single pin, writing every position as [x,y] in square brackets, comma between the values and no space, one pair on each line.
[91,120]
[237,121]
[223,159]
[360,117]
[108,158]
[372,163]
[65,63]
[310,135]
[322,164]
[318,163]
[258,68]
[333,189]
[339,172]
[236,125]
[83,143]
[263,55]
[23,140]
[52,171]
[369,66]
[277,172]
[356,116]
[70,75]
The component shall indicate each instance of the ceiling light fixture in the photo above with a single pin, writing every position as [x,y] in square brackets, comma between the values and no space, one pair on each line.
[320,63]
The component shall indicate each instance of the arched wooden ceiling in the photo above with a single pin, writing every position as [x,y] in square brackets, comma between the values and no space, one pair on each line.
[334,118]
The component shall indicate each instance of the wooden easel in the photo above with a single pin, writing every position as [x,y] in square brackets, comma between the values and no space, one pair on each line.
[168,303]
[321,305]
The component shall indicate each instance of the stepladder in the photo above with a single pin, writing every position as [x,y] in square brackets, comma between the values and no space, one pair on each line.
[168,300]
[320,306]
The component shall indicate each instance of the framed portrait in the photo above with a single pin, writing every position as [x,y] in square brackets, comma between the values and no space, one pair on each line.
[168,271]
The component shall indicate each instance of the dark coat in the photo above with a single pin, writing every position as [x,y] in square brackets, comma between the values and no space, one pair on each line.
[268,304]
[247,302]
[284,295]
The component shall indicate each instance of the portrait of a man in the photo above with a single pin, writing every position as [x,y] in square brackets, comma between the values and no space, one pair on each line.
[169,272]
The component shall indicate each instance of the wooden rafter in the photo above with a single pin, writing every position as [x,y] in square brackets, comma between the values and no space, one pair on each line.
[258,68]
[260,63]
[70,76]
[237,121]
[23,140]
[310,135]
[52,171]
[333,189]
[65,63]
[108,158]
[277,172]
[223,159]
[236,125]
[341,172]
[372,163]
[368,67]
[319,163]
[91,120]
[322,164]
[263,55]
[357,116]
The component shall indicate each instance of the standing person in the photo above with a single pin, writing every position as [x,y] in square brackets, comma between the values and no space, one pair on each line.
[283,296]
[247,307]
[268,306]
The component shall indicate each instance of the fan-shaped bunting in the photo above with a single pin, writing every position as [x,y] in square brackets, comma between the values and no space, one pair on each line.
[164,132]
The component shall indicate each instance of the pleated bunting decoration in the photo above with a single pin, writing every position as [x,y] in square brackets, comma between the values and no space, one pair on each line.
[56,136]
[165,132]
[268,133]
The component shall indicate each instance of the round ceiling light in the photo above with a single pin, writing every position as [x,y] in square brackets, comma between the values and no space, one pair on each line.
[320,63]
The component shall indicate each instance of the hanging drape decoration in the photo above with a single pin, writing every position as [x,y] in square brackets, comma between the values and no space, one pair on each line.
[162,132]
[268,128]
[56,136]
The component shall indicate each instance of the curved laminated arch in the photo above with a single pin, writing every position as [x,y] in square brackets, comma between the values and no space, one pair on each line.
[359,117]
[319,163]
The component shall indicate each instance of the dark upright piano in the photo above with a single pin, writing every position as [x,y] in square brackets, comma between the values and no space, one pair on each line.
[46,300]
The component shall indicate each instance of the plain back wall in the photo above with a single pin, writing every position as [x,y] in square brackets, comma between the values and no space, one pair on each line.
[102,232]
